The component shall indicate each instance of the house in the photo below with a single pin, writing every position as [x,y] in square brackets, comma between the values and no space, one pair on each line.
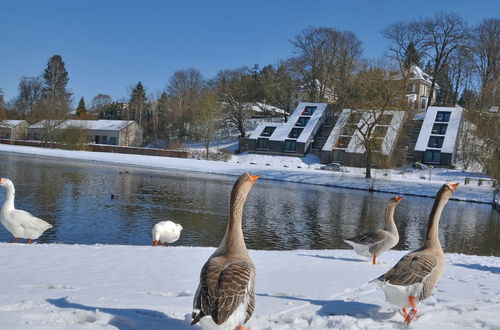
[419,87]
[325,93]
[13,129]
[110,132]
[345,143]
[439,136]
[263,110]
[294,137]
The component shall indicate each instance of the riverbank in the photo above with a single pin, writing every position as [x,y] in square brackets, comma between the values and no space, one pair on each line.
[55,286]
[293,169]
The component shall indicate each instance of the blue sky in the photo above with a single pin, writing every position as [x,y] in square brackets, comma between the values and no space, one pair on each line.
[109,45]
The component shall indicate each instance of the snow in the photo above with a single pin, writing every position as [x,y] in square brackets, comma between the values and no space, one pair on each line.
[262,107]
[337,129]
[91,287]
[292,169]
[101,125]
[10,123]
[258,130]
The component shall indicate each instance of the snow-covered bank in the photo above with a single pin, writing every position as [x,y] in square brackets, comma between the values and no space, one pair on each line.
[293,169]
[141,287]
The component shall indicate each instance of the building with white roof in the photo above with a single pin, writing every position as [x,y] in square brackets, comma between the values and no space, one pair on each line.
[419,87]
[13,129]
[295,137]
[345,142]
[439,136]
[111,132]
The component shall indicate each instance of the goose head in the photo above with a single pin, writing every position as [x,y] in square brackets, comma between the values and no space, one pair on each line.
[396,199]
[6,182]
[243,185]
[446,190]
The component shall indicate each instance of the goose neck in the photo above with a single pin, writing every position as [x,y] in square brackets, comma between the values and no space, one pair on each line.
[432,236]
[389,218]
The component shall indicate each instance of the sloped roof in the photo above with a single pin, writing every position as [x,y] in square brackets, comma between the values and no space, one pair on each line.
[98,125]
[10,123]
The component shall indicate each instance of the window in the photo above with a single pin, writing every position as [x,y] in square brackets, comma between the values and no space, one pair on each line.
[439,129]
[435,142]
[302,121]
[338,155]
[348,130]
[289,145]
[342,142]
[443,116]
[262,143]
[432,156]
[423,102]
[112,141]
[308,111]
[384,119]
[104,139]
[412,88]
[355,117]
[295,132]
[380,131]
[268,131]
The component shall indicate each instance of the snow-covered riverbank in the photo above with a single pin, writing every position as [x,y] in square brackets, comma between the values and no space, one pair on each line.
[140,287]
[293,169]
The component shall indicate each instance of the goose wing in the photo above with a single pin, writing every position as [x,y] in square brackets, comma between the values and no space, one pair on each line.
[369,238]
[28,221]
[223,289]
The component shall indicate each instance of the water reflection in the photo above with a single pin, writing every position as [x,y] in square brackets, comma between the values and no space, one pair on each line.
[75,198]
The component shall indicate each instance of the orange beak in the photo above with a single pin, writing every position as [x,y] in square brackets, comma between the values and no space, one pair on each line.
[155,243]
[254,178]
[398,198]
[454,186]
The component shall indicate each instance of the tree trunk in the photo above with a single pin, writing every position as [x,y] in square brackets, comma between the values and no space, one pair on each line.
[368,174]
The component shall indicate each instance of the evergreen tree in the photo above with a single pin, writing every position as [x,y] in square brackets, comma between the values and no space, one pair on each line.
[81,109]
[137,105]
[412,56]
[112,111]
[54,91]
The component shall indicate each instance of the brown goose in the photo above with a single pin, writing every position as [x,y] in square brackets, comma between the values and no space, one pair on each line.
[377,242]
[225,298]
[413,278]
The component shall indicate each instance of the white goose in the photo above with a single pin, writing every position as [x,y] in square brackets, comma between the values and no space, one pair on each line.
[166,232]
[375,243]
[413,278]
[19,223]
[225,298]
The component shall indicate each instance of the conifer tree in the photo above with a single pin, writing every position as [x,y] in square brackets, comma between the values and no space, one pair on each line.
[81,109]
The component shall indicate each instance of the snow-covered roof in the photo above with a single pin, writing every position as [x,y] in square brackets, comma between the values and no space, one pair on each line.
[416,73]
[307,134]
[335,133]
[11,123]
[450,138]
[262,107]
[258,130]
[98,125]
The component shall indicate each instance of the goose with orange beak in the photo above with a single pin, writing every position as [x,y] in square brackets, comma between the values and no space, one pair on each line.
[225,298]
[413,278]
[375,243]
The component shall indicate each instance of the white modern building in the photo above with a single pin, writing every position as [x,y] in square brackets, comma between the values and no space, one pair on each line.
[439,136]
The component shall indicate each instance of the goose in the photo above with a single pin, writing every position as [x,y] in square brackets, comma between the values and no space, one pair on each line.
[225,298]
[19,223]
[413,278]
[375,243]
[166,232]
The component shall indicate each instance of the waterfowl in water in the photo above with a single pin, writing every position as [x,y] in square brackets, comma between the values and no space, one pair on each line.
[375,243]
[166,232]
[413,278]
[19,223]
[225,298]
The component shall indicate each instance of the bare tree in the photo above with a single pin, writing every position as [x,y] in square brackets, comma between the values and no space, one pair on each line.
[486,50]
[99,102]
[184,90]
[443,35]
[407,43]
[375,92]
[30,92]
[324,60]
[234,89]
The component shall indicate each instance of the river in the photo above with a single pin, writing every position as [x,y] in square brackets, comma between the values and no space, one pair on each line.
[75,197]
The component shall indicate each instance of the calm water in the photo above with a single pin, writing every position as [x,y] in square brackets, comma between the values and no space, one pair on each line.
[75,198]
